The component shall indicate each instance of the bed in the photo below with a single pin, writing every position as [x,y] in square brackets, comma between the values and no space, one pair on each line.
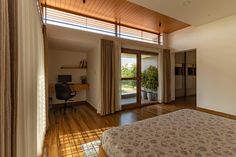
[182,133]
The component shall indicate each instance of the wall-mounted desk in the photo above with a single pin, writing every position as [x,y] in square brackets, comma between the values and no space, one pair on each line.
[74,87]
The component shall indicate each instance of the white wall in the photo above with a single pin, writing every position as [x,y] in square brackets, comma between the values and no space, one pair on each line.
[59,58]
[216,74]
[94,77]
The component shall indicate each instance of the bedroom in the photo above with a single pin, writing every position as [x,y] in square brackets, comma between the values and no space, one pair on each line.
[100,33]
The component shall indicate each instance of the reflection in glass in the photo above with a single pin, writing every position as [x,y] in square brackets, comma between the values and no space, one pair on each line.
[128,92]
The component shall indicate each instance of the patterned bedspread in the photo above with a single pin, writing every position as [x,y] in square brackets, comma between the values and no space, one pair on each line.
[184,133]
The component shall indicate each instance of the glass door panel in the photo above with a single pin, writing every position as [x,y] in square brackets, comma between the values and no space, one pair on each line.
[129,79]
[128,65]
[128,92]
[149,79]
[139,78]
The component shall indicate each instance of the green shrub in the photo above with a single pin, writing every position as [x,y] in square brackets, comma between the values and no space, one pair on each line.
[150,78]
[144,78]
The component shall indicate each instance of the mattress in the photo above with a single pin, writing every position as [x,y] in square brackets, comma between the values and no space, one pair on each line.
[184,133]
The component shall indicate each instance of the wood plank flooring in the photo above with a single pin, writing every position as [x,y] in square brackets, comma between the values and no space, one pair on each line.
[71,134]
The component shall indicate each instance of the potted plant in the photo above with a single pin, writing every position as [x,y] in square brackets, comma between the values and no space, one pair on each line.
[83,79]
[143,84]
[152,83]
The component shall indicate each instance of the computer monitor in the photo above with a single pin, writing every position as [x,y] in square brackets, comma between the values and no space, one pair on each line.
[64,78]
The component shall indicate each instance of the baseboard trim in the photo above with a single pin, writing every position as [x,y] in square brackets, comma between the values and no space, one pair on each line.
[75,103]
[217,113]
[70,103]
[91,106]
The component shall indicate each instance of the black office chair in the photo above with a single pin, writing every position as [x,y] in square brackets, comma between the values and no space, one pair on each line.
[63,92]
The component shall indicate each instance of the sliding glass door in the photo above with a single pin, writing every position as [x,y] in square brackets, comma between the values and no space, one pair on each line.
[129,78]
[139,78]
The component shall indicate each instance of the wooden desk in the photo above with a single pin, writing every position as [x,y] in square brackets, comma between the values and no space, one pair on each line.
[74,87]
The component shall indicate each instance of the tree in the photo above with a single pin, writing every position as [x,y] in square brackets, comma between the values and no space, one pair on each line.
[150,78]
[127,72]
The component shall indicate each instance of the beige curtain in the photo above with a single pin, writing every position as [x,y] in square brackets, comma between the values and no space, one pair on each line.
[108,78]
[166,76]
[46,71]
[31,106]
[118,74]
[7,77]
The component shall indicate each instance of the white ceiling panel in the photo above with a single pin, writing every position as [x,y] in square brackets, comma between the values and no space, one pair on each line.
[193,12]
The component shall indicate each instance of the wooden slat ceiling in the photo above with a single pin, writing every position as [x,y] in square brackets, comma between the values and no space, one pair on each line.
[121,11]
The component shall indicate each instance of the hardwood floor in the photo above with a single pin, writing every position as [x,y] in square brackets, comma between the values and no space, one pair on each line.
[71,134]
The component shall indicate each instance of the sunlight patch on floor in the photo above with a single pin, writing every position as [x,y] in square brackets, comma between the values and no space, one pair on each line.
[81,144]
